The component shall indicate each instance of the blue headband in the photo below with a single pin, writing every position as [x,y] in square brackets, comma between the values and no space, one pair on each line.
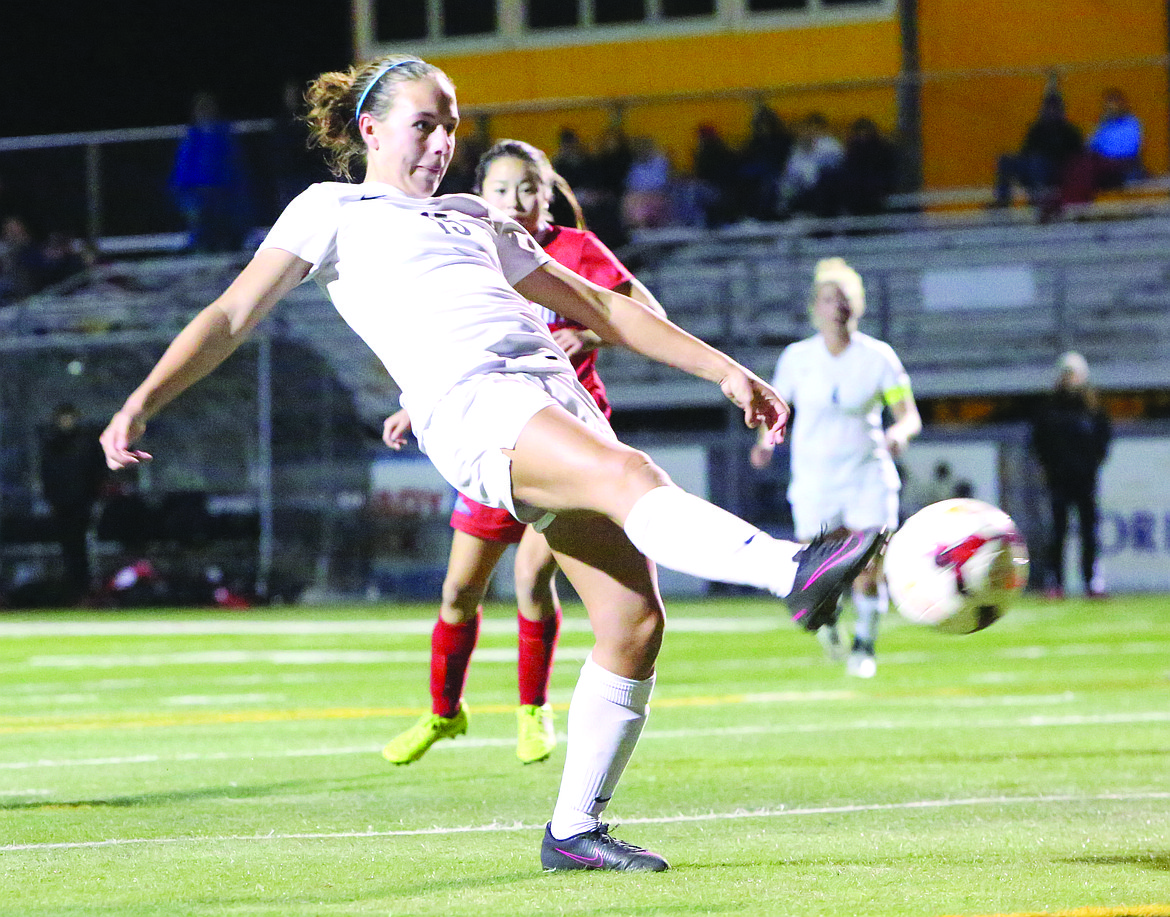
[374,82]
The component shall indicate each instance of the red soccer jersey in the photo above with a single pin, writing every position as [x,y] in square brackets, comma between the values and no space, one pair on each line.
[585,254]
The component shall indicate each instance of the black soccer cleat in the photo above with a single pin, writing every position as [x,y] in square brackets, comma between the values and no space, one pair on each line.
[826,566]
[596,850]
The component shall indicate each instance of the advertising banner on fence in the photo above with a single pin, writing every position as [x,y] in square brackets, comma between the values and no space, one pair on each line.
[1135,518]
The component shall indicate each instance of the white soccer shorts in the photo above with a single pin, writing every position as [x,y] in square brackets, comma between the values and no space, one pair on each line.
[867,501]
[481,416]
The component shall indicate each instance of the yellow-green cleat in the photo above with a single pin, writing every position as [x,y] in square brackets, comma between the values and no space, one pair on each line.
[535,738]
[413,744]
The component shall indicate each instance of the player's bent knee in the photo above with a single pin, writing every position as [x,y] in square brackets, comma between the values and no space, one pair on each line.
[532,576]
[462,599]
[628,474]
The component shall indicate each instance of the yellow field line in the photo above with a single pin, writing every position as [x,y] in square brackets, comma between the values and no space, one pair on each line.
[1134,910]
[24,724]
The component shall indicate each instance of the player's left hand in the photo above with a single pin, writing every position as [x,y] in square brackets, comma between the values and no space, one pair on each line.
[125,428]
[395,428]
[760,403]
[895,443]
[573,341]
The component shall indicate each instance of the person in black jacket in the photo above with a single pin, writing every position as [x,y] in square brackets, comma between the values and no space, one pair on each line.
[1070,435]
[73,469]
[1050,145]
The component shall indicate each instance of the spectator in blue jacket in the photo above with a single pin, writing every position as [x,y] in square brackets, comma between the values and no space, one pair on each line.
[1113,156]
[208,180]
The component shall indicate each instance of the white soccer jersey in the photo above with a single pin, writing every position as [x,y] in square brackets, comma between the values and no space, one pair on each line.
[426,283]
[838,400]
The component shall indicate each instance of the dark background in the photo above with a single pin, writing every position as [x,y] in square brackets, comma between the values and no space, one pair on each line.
[102,64]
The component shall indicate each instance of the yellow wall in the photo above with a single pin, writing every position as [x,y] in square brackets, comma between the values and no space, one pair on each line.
[969,121]
[970,114]
[663,67]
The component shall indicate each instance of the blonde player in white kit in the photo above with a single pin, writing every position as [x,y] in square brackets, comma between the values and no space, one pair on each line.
[843,473]
[440,289]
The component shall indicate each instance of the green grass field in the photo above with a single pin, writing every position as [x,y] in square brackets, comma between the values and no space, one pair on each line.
[198,763]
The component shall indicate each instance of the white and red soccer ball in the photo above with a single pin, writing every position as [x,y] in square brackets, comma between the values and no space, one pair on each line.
[956,565]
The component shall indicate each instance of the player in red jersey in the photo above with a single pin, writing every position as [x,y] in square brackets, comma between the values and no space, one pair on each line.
[518,179]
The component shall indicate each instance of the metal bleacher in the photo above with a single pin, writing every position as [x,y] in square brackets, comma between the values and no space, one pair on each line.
[1099,285]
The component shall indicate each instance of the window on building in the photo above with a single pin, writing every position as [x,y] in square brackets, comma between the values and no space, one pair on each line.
[409,22]
[678,9]
[611,12]
[400,20]
[469,17]
[769,6]
[553,14]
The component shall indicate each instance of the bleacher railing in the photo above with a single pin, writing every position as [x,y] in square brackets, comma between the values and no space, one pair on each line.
[108,184]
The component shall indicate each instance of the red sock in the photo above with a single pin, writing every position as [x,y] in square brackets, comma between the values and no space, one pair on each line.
[451,647]
[538,641]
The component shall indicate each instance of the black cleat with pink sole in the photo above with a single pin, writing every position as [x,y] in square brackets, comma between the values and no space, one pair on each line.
[596,850]
[826,566]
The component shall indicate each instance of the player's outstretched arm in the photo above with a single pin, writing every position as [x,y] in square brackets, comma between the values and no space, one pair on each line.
[209,339]
[619,319]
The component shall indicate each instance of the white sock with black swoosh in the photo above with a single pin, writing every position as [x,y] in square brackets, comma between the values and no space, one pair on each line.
[686,533]
[606,717]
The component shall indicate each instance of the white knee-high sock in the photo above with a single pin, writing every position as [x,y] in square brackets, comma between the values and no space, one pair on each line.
[605,720]
[686,533]
[869,609]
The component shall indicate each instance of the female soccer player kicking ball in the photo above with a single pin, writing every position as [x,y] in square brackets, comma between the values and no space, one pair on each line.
[843,473]
[441,290]
[518,179]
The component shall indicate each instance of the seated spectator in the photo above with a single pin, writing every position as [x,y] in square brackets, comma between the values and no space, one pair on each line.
[612,160]
[869,170]
[20,261]
[715,168]
[810,181]
[572,160]
[761,163]
[646,197]
[62,257]
[1052,141]
[1113,157]
[601,201]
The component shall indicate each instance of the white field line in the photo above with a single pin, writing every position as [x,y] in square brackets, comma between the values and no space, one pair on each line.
[235,627]
[504,655]
[471,744]
[273,657]
[493,828]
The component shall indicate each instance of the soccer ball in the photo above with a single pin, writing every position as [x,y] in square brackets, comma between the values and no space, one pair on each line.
[956,565]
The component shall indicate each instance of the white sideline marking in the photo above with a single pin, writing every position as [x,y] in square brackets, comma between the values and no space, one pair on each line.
[234,627]
[465,743]
[658,820]
[217,700]
[308,657]
[274,657]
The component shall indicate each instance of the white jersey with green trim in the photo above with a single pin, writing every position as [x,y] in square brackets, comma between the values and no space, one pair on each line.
[426,283]
[837,403]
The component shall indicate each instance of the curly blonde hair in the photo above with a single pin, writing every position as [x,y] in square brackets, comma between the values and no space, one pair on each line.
[333,99]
